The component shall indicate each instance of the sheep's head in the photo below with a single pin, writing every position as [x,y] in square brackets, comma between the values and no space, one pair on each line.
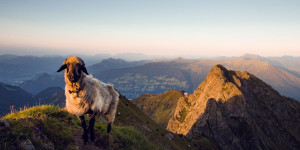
[75,66]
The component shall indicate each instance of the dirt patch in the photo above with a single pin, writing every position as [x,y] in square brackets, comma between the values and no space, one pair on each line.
[100,143]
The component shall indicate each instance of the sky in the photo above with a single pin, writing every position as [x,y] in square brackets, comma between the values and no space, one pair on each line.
[157,27]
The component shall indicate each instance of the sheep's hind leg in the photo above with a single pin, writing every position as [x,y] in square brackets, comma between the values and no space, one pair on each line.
[85,133]
[108,127]
[91,127]
[108,117]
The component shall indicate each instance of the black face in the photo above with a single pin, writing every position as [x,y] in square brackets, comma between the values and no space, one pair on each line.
[74,72]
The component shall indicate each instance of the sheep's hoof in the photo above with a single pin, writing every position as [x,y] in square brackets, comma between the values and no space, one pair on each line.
[108,128]
[92,137]
[85,141]
[85,138]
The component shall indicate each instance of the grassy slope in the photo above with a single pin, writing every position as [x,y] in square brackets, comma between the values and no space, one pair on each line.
[160,107]
[50,125]
[130,115]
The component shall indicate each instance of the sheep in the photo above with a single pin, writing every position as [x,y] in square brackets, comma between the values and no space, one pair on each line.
[88,95]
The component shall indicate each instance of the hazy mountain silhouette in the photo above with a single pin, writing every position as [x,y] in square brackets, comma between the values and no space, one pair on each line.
[151,78]
[112,63]
[288,63]
[14,96]
[15,69]
[52,95]
[136,78]
[42,82]
[184,74]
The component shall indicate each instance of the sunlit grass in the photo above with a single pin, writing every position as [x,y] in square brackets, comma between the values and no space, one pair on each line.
[41,124]
[51,124]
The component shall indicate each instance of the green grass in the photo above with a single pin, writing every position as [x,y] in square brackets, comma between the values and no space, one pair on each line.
[160,107]
[130,115]
[49,124]
[40,124]
[126,138]
[182,114]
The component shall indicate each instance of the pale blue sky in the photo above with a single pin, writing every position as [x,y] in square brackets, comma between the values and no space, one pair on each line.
[156,27]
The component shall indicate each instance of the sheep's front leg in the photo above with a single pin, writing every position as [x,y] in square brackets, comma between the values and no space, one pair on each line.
[91,127]
[109,118]
[108,127]
[85,133]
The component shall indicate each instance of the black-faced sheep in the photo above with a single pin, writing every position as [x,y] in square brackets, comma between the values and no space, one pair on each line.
[87,95]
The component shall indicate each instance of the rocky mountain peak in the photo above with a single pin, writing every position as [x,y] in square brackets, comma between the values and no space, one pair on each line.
[237,110]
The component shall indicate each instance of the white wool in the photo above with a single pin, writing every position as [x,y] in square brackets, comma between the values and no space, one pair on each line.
[101,98]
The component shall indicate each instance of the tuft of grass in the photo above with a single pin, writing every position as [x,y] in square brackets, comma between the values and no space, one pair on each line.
[182,114]
[126,138]
[206,144]
[40,124]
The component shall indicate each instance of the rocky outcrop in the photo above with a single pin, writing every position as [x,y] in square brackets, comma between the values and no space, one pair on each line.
[236,110]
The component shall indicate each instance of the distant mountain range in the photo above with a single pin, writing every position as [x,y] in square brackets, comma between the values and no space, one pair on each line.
[282,73]
[52,95]
[15,69]
[15,97]
[288,63]
[46,80]
[111,63]
[184,74]
[43,82]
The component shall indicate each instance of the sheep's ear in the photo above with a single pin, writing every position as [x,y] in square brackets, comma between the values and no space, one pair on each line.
[84,70]
[63,67]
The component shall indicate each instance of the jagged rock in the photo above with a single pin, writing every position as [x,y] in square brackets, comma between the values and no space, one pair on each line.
[27,145]
[236,110]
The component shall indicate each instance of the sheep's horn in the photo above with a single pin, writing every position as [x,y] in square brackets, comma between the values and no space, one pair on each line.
[63,67]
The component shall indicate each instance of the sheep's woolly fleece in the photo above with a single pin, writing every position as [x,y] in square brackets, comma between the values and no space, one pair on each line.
[93,95]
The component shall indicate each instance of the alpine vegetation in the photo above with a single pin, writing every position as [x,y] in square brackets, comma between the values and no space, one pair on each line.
[87,95]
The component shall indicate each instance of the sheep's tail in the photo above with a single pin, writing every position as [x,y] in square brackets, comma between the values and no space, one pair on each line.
[113,105]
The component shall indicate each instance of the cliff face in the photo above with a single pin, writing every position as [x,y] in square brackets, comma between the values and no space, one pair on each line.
[236,110]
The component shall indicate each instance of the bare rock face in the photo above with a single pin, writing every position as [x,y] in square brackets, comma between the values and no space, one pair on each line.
[236,110]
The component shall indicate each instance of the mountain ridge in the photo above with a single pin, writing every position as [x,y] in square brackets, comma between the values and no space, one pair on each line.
[236,110]
[186,74]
